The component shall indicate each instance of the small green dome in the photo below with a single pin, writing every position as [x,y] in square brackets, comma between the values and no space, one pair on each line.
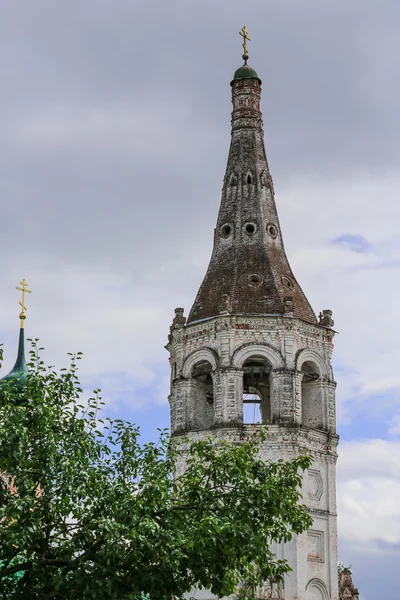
[245,72]
[19,373]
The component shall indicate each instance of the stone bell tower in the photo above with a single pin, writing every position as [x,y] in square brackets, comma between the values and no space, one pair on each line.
[252,340]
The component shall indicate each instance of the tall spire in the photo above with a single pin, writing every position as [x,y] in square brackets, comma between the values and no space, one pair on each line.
[19,371]
[249,272]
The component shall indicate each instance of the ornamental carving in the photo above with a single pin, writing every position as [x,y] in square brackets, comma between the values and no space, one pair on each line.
[315,542]
[315,484]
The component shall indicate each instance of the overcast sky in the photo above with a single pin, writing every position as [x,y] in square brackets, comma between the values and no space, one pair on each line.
[114,132]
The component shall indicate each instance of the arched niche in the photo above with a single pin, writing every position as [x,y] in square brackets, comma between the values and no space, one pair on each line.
[205,354]
[316,590]
[311,395]
[256,389]
[314,371]
[199,368]
[311,356]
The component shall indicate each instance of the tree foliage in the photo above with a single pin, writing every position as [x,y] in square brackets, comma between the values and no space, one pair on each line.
[88,512]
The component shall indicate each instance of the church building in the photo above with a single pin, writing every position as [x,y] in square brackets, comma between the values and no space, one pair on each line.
[252,353]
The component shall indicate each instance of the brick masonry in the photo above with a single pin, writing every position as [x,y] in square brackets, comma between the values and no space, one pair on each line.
[248,272]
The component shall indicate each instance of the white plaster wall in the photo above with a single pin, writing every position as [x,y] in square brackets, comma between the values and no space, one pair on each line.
[286,343]
[313,554]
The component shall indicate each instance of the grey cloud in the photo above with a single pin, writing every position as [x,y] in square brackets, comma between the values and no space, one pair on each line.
[330,106]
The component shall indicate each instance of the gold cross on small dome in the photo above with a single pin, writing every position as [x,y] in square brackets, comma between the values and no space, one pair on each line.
[24,290]
[244,33]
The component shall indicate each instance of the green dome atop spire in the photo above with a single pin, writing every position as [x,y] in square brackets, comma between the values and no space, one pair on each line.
[19,373]
[245,72]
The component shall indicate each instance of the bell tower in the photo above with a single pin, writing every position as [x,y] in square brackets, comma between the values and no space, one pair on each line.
[252,338]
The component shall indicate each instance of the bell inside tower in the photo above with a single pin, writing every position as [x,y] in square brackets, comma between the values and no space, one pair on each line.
[256,391]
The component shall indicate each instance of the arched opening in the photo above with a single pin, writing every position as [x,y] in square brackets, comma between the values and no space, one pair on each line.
[250,228]
[316,590]
[233,180]
[202,409]
[256,390]
[311,395]
[226,230]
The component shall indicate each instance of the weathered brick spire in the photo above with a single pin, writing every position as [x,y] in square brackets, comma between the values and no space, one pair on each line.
[249,272]
[253,339]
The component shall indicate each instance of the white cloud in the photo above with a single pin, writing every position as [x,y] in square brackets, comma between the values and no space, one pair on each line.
[120,317]
[369,493]
[121,330]
[360,287]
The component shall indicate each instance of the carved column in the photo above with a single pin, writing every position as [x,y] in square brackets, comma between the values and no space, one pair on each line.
[329,393]
[297,398]
[282,396]
[225,338]
[180,402]
[228,397]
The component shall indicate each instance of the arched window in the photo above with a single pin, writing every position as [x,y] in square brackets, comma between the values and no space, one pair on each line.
[202,409]
[233,179]
[256,390]
[311,396]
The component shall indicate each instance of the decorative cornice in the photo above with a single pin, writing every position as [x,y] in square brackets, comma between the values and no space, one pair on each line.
[250,323]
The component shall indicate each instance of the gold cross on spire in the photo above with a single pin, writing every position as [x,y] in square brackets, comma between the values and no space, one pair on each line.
[244,33]
[24,290]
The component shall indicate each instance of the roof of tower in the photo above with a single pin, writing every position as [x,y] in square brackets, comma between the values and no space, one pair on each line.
[19,372]
[245,72]
[249,273]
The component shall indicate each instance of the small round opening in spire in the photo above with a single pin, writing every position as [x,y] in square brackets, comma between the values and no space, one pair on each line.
[255,280]
[272,230]
[226,230]
[288,282]
[250,228]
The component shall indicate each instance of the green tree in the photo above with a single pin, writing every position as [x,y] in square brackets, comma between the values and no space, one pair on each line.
[88,512]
